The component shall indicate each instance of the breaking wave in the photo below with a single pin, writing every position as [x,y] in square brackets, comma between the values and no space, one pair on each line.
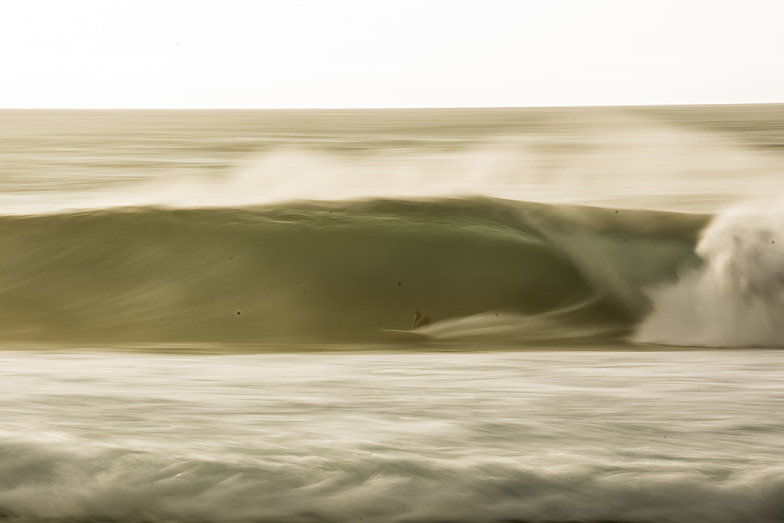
[734,298]
[336,271]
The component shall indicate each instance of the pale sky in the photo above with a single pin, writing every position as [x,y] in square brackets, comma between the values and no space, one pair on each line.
[379,53]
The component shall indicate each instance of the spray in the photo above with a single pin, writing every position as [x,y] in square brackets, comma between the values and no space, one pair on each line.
[735,298]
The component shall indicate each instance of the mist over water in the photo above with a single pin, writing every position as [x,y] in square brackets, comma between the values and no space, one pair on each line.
[678,159]
[208,315]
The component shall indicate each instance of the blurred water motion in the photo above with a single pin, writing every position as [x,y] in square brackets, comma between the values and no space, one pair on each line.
[675,158]
[207,315]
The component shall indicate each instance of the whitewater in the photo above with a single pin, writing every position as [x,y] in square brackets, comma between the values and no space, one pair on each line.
[208,315]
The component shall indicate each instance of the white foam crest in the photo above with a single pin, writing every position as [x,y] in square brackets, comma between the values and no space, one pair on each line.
[735,299]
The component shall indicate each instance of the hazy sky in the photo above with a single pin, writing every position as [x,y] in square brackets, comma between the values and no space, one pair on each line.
[379,53]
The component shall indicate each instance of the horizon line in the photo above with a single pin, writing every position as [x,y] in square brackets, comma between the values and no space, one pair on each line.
[390,108]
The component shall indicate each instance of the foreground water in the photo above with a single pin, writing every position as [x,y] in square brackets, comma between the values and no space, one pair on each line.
[502,436]
[206,316]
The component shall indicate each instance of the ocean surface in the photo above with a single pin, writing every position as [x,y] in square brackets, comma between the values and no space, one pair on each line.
[208,316]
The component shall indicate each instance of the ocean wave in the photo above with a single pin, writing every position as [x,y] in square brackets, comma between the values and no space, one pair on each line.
[335,271]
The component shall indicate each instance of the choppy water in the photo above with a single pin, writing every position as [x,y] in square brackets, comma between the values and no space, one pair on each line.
[196,310]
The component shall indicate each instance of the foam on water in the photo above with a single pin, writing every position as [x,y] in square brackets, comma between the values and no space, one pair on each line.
[735,298]
[581,436]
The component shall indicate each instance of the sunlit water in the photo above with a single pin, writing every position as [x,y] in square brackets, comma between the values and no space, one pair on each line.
[195,359]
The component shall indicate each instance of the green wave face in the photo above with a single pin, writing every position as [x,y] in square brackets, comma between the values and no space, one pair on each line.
[339,271]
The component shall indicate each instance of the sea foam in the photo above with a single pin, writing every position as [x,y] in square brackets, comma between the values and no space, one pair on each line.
[734,299]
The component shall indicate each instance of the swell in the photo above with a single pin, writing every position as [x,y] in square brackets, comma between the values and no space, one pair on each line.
[332,271]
